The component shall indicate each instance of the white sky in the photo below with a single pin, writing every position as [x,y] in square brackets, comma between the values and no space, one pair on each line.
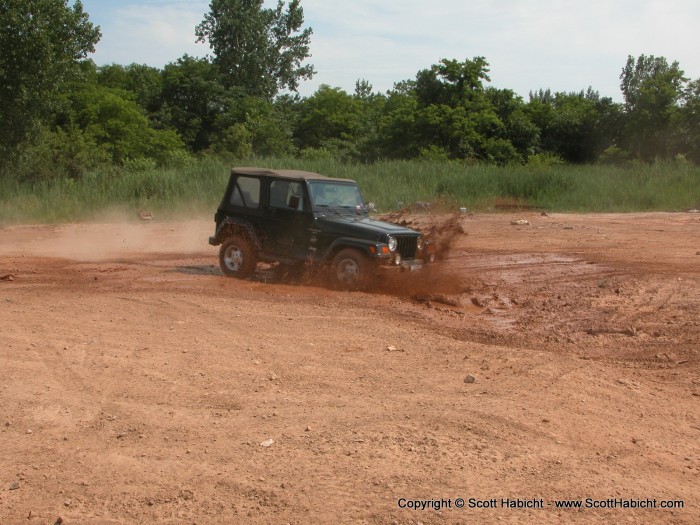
[564,45]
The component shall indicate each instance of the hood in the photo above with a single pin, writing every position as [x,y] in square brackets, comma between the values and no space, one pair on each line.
[362,227]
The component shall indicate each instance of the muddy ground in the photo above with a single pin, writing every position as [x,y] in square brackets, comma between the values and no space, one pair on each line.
[138,385]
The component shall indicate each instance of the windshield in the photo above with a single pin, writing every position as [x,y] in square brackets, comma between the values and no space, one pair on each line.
[335,195]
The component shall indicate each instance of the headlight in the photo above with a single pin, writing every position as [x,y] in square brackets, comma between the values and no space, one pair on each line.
[420,243]
[392,243]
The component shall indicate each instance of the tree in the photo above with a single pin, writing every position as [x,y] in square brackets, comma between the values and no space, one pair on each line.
[143,81]
[259,50]
[577,127]
[690,122]
[452,82]
[329,115]
[41,45]
[252,125]
[118,126]
[192,100]
[518,129]
[459,118]
[652,90]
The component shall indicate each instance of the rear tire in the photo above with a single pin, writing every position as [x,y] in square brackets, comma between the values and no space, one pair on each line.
[237,257]
[351,270]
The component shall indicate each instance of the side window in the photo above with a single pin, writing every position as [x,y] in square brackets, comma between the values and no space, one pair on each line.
[286,195]
[246,193]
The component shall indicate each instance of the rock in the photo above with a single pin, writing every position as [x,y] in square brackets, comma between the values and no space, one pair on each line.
[267,443]
[58,521]
[29,431]
[520,222]
[67,503]
[307,429]
[14,485]
[391,348]
[470,379]
[477,301]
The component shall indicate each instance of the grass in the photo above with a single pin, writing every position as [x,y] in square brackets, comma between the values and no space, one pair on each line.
[196,188]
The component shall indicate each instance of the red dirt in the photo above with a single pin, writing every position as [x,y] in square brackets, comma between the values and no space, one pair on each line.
[138,384]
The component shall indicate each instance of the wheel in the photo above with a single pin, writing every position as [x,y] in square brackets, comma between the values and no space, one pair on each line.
[351,269]
[237,257]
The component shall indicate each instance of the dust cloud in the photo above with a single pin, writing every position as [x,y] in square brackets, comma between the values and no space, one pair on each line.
[103,241]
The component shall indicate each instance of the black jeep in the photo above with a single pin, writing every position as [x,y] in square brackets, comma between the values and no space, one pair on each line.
[299,218]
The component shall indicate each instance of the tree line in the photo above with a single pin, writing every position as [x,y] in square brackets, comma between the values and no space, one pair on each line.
[63,116]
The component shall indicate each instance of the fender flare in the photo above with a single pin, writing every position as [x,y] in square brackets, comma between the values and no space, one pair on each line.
[348,242]
[233,224]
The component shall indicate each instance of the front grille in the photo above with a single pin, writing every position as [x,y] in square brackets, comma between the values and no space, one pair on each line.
[406,246]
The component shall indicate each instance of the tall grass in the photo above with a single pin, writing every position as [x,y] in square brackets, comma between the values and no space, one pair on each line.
[196,188]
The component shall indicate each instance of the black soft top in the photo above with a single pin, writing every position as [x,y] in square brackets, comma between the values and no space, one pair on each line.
[286,174]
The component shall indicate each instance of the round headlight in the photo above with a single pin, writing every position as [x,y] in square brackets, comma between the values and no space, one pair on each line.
[420,243]
[392,243]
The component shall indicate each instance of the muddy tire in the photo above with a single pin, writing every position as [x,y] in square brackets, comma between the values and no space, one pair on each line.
[351,270]
[237,257]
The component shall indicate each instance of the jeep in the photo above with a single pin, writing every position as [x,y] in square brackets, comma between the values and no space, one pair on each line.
[303,219]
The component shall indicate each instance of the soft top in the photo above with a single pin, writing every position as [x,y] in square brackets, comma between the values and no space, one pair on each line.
[285,174]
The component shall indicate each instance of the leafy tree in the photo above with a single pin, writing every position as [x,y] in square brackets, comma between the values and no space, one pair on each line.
[144,82]
[652,90]
[457,116]
[41,44]
[577,127]
[371,108]
[192,100]
[690,122]
[452,82]
[118,127]
[518,128]
[257,49]
[253,125]
[398,126]
[330,114]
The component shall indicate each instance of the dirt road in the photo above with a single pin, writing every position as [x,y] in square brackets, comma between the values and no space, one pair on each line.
[138,385]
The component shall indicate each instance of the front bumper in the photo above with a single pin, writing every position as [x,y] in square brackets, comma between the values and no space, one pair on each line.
[411,265]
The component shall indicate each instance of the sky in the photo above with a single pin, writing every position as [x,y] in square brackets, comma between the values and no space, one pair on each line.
[562,45]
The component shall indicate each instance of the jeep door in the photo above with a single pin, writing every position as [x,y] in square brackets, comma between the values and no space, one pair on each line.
[288,219]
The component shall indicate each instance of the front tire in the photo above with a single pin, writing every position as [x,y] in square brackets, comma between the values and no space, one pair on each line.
[237,257]
[351,270]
